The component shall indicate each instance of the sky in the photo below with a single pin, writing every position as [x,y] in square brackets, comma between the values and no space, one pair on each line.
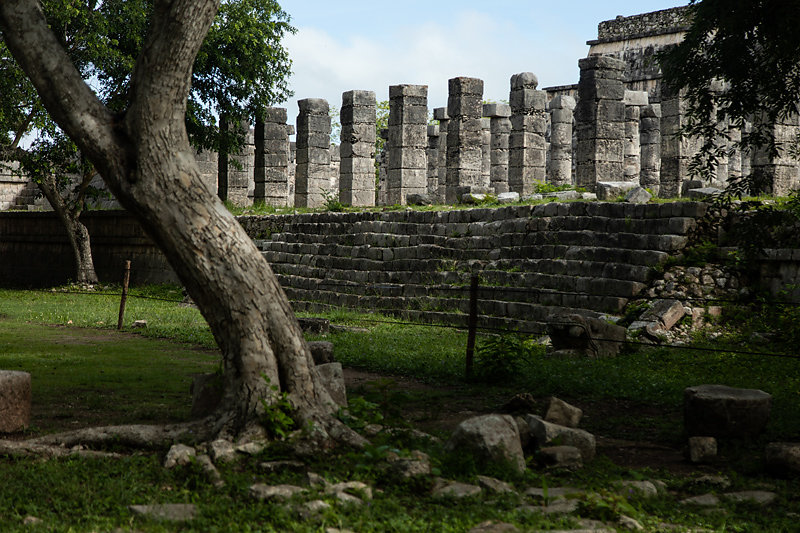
[372,44]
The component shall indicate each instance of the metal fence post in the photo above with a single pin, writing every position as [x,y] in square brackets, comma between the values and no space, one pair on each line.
[472,323]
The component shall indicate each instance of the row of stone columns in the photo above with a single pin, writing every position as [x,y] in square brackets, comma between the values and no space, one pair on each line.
[613,135]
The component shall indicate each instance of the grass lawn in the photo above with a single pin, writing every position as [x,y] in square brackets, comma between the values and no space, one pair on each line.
[86,373]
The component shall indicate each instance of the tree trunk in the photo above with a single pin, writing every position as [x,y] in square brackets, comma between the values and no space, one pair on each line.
[77,233]
[145,158]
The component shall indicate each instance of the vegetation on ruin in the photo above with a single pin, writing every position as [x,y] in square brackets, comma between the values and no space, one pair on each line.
[85,373]
[740,59]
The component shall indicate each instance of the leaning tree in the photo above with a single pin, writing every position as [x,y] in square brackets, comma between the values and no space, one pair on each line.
[144,155]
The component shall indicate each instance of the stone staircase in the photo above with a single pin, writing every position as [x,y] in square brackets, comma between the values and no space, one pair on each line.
[586,257]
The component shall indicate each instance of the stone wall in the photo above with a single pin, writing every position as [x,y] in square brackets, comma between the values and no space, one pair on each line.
[661,22]
[34,251]
[587,257]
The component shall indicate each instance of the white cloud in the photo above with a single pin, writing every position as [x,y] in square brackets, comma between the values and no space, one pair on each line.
[472,44]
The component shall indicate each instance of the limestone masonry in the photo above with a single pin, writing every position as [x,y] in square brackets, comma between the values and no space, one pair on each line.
[618,124]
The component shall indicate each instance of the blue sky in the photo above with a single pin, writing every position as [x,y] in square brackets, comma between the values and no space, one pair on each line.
[369,45]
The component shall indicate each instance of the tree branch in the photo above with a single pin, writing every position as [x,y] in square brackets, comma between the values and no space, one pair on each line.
[65,95]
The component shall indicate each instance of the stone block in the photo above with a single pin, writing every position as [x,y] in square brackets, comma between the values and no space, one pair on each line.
[702,449]
[602,89]
[358,115]
[314,106]
[405,91]
[408,135]
[15,401]
[465,86]
[307,124]
[440,114]
[490,439]
[588,336]
[563,414]
[636,98]
[561,116]
[524,80]
[468,105]
[524,101]
[536,124]
[496,110]
[722,411]
[357,165]
[563,102]
[596,62]
[405,114]
[567,457]
[666,313]
[276,115]
[408,158]
[638,195]
[542,433]
[358,98]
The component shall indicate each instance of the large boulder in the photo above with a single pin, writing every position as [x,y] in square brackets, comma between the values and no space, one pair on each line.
[15,401]
[722,411]
[577,334]
[561,413]
[541,434]
[489,439]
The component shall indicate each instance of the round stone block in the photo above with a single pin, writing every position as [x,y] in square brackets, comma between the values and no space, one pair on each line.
[15,401]
[722,411]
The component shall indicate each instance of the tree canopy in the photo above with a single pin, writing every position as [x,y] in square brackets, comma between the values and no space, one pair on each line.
[240,70]
[739,61]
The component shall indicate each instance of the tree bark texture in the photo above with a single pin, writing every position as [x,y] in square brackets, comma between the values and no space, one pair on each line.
[77,234]
[145,158]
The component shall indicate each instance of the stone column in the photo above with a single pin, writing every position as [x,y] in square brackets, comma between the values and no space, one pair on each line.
[676,151]
[272,158]
[527,152]
[313,152]
[486,152]
[433,161]
[332,189]
[440,114]
[290,130]
[650,146]
[559,170]
[464,152]
[208,162]
[383,172]
[600,121]
[634,102]
[777,174]
[500,128]
[357,148]
[235,176]
[408,121]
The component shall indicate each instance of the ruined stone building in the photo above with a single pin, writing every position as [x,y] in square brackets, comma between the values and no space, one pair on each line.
[617,125]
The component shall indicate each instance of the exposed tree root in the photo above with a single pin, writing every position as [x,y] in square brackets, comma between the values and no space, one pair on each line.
[329,433]
[46,451]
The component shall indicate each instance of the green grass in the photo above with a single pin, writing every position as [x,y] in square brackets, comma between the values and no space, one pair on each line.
[86,373]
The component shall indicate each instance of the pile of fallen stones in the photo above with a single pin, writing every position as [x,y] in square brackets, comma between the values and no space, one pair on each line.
[708,282]
[552,441]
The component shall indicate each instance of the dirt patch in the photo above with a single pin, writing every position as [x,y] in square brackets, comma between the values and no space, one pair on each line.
[618,425]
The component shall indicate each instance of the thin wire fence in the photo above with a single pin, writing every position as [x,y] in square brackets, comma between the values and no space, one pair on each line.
[471,325]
